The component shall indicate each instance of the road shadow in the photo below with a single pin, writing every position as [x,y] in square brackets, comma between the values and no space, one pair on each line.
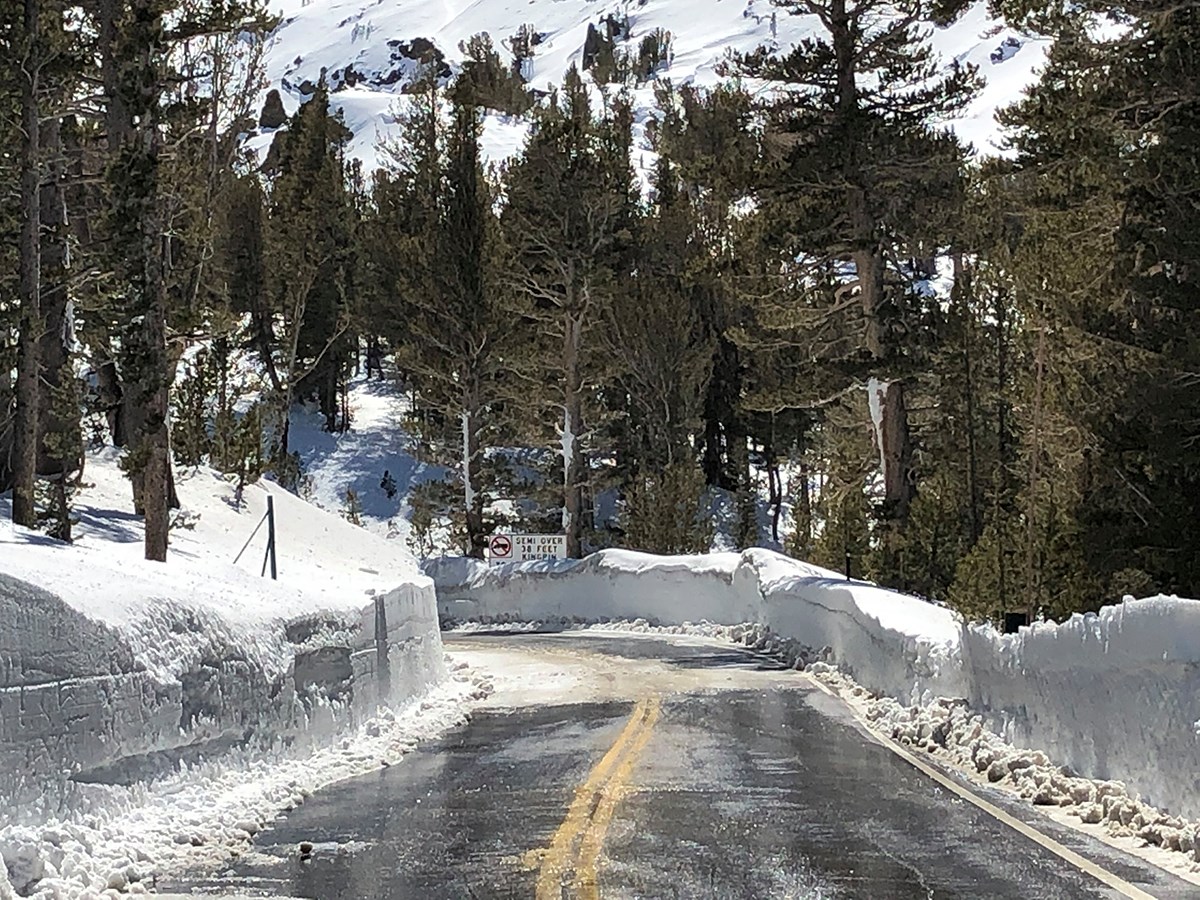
[732,659]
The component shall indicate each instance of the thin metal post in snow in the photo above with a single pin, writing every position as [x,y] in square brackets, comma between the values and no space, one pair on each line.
[271,534]
[249,539]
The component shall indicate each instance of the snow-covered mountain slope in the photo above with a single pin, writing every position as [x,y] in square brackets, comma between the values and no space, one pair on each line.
[366,49]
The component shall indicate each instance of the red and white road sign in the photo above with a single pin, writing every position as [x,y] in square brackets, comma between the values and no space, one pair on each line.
[500,547]
[526,547]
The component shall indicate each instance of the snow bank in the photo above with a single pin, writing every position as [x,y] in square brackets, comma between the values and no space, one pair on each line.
[950,731]
[113,668]
[115,839]
[1112,695]
[888,642]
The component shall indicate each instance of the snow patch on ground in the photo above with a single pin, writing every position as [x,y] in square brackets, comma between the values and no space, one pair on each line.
[377,443]
[323,560]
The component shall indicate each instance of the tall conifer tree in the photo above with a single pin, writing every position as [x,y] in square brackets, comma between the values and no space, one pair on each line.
[566,197]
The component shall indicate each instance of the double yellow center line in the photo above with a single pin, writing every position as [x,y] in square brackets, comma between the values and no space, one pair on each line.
[569,868]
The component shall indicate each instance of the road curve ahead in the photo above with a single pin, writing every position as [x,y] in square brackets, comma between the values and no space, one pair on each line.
[616,766]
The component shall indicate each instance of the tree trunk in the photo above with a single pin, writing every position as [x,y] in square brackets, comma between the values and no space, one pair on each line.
[865,251]
[891,420]
[1001,314]
[472,498]
[1033,581]
[25,437]
[776,488]
[116,112]
[889,412]
[721,426]
[150,370]
[572,423]
[111,395]
[326,378]
[803,514]
[154,440]
[868,263]
[713,456]
[962,287]
[59,334]
[774,481]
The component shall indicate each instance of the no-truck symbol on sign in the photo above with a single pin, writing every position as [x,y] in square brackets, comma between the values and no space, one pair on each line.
[501,547]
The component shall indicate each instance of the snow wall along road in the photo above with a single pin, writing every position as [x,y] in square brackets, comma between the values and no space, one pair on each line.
[116,698]
[1113,695]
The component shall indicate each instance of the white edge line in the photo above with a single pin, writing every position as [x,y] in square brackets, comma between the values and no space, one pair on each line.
[1042,840]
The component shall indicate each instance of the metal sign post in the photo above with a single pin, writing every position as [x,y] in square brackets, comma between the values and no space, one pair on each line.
[271,534]
[269,555]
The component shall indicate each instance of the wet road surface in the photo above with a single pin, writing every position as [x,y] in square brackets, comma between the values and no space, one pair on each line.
[733,780]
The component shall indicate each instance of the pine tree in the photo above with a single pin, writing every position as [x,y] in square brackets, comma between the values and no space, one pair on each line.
[566,197]
[1103,165]
[156,227]
[9,278]
[43,54]
[656,336]
[708,137]
[860,183]
[662,360]
[137,228]
[46,60]
[495,85]
[304,333]
[28,64]
[455,347]
[402,231]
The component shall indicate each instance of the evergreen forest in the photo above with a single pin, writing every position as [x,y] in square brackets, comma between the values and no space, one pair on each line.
[970,376]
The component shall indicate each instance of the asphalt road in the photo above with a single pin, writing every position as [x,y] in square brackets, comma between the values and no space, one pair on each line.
[622,767]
